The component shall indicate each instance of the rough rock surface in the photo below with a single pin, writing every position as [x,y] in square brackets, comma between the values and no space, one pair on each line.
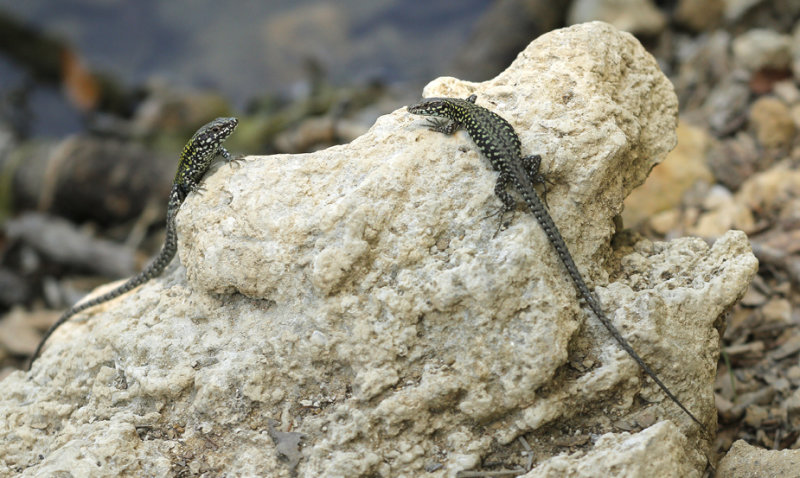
[659,450]
[361,298]
[744,461]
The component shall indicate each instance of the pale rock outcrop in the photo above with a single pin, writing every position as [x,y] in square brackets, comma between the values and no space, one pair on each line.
[744,460]
[361,298]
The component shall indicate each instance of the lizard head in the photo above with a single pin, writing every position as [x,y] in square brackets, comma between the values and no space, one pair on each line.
[444,107]
[431,107]
[214,133]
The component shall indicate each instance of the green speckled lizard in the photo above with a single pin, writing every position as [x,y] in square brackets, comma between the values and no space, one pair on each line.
[499,142]
[195,160]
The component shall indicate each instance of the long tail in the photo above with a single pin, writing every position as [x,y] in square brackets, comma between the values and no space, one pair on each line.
[544,219]
[154,269]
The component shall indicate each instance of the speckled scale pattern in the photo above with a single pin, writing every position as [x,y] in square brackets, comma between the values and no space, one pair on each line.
[195,160]
[499,142]
[494,136]
[201,150]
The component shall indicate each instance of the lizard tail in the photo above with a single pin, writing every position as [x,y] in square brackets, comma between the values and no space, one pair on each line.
[153,269]
[550,229]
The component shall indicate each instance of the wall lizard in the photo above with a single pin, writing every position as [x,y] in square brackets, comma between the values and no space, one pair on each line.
[195,160]
[498,141]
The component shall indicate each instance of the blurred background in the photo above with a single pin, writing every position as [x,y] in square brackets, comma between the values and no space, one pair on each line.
[97,98]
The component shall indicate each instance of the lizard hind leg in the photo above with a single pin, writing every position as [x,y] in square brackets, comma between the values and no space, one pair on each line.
[530,164]
[509,204]
[501,224]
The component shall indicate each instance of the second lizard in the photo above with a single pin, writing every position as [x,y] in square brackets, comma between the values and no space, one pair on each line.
[196,158]
[499,142]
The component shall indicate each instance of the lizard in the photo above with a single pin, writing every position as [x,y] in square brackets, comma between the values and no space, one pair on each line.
[499,142]
[195,160]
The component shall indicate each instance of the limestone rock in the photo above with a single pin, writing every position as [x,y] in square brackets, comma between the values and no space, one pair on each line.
[361,298]
[744,460]
[659,450]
